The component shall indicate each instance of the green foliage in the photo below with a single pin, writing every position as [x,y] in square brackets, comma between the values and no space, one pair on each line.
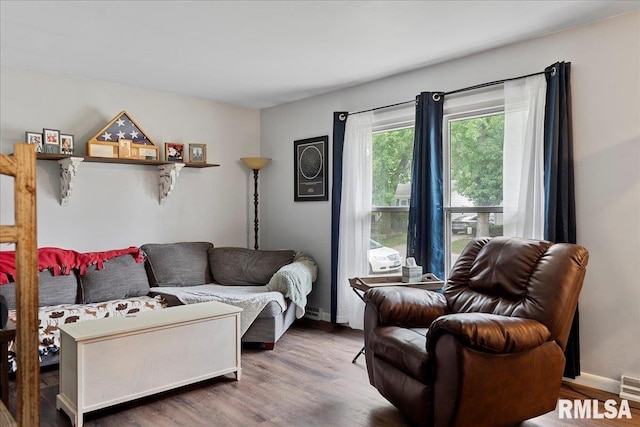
[392,153]
[399,221]
[389,223]
[393,240]
[458,245]
[476,158]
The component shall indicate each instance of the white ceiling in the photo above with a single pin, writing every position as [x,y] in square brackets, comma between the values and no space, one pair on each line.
[264,53]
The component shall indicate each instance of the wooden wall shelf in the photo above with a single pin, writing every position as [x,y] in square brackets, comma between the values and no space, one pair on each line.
[43,156]
[124,161]
[168,172]
[200,165]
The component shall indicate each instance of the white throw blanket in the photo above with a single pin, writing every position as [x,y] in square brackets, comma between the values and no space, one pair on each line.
[251,299]
[294,281]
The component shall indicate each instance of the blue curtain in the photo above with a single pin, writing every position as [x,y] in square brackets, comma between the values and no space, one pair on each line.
[560,204]
[339,124]
[425,238]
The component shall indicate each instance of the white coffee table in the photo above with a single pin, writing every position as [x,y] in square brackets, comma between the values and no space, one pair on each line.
[105,362]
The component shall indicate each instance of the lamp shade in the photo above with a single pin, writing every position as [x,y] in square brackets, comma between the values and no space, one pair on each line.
[255,163]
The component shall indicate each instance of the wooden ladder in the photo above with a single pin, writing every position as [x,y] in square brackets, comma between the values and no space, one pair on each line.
[22,166]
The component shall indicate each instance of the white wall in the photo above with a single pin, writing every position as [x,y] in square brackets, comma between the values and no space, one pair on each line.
[605,59]
[115,205]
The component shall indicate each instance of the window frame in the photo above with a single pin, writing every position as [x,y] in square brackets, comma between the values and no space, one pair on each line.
[459,107]
[389,120]
[463,108]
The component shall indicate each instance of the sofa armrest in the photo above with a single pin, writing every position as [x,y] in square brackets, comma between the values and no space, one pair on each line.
[405,306]
[295,281]
[489,333]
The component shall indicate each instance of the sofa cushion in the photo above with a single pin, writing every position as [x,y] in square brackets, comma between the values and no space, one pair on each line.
[122,277]
[178,264]
[404,348]
[243,267]
[52,290]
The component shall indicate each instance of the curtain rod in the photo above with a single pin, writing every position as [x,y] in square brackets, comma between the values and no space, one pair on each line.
[479,86]
[384,106]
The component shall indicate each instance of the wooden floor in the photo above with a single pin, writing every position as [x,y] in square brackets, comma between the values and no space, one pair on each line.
[308,380]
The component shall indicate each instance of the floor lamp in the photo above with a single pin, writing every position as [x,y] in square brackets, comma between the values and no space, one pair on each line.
[255,164]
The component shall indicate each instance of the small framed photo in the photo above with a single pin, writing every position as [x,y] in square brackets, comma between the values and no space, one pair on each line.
[51,140]
[66,144]
[34,138]
[124,148]
[173,152]
[144,152]
[197,153]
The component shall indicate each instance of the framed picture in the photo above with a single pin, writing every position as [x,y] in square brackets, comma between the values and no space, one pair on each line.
[34,138]
[144,152]
[66,144]
[197,153]
[173,152]
[124,148]
[51,140]
[311,169]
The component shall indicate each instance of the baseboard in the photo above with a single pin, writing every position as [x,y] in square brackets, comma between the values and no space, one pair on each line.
[318,314]
[324,317]
[595,381]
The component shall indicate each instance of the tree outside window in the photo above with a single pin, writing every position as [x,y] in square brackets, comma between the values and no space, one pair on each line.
[476,163]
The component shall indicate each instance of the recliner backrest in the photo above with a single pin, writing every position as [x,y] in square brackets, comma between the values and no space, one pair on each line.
[517,277]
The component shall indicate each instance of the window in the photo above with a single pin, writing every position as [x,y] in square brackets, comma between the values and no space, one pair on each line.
[392,154]
[473,135]
[473,183]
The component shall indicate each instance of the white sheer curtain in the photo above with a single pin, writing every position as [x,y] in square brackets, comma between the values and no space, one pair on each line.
[523,164]
[355,217]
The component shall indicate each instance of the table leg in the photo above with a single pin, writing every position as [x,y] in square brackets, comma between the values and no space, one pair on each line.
[358,355]
[4,372]
[361,296]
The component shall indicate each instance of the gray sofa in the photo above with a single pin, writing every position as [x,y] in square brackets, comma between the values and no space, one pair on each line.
[185,265]
[123,285]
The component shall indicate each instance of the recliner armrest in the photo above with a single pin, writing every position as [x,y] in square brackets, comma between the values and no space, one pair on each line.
[404,306]
[489,332]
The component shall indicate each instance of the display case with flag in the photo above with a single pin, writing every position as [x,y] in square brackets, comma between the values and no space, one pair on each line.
[123,127]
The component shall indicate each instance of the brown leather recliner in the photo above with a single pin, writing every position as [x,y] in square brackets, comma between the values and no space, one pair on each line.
[489,350]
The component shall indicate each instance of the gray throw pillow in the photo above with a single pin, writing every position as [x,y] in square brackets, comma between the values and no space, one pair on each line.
[121,277]
[245,267]
[178,264]
[52,290]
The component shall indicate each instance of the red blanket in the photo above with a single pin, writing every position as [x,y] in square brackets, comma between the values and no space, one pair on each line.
[62,261]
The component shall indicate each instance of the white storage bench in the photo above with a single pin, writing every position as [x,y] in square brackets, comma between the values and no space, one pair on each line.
[105,362]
